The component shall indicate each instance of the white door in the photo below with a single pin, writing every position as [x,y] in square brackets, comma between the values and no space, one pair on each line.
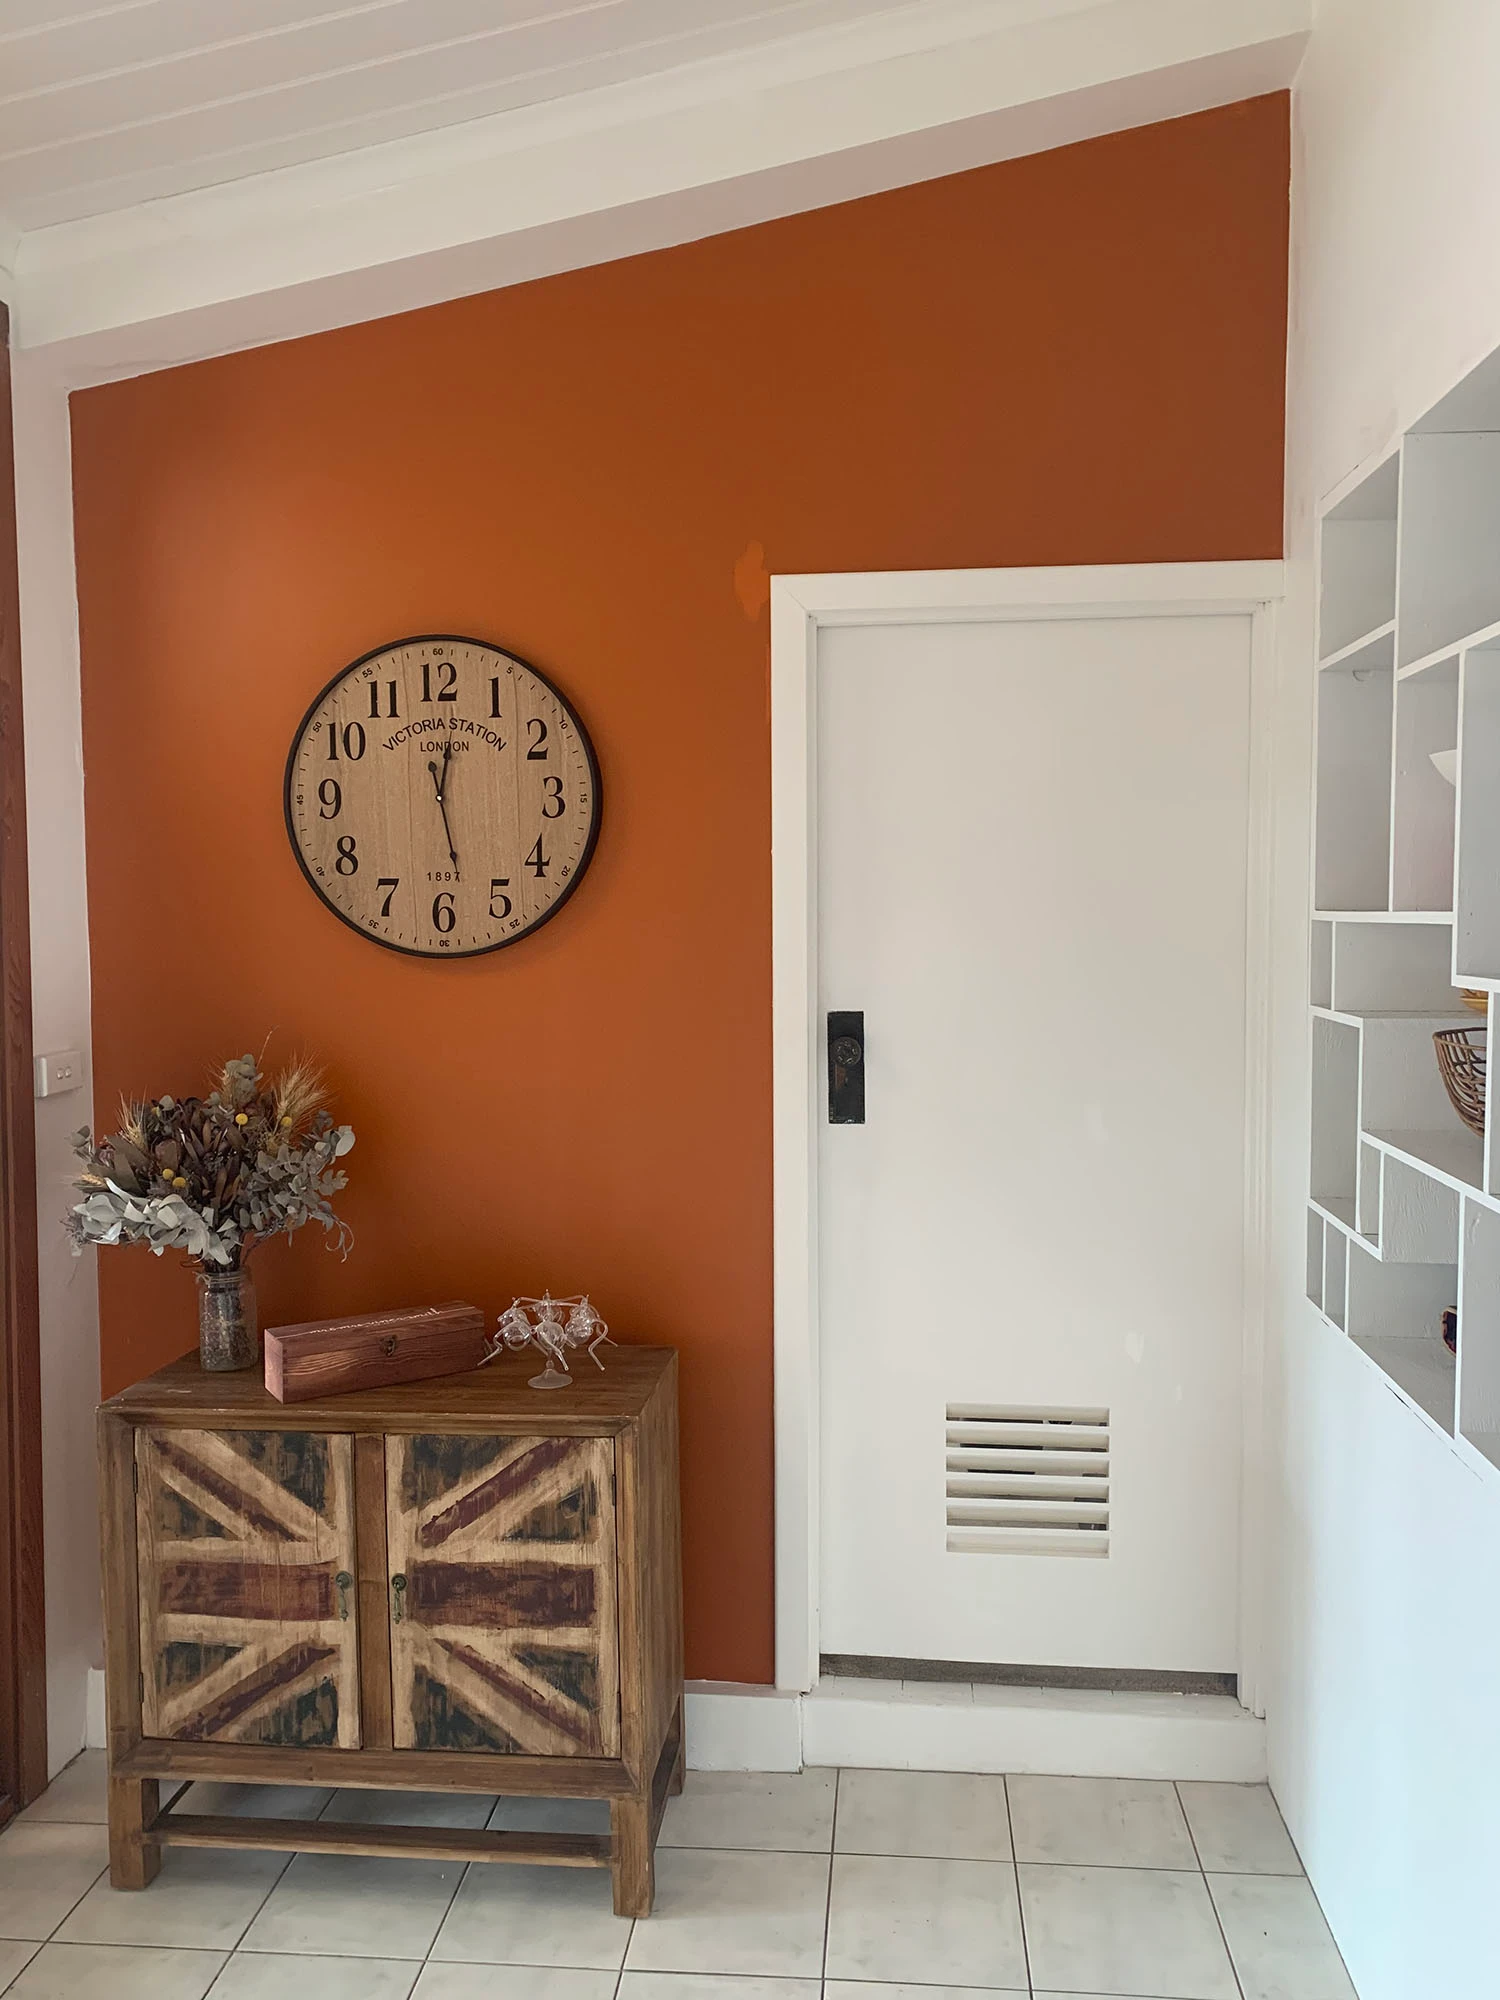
[1032,852]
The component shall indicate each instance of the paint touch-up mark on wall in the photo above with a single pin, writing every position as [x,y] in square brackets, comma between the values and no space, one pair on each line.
[752,581]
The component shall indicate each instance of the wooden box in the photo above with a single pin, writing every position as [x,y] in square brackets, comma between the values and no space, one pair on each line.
[455,1585]
[372,1350]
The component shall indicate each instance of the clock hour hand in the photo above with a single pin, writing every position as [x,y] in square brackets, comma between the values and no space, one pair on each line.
[439,777]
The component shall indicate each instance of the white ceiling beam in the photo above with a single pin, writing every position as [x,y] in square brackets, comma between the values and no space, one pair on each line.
[610,173]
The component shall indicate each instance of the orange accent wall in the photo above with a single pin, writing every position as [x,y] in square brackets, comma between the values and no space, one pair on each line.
[1070,358]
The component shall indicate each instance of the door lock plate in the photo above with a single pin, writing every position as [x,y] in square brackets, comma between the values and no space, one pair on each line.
[846,1068]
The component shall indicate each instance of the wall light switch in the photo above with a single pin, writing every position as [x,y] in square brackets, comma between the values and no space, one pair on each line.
[58,1073]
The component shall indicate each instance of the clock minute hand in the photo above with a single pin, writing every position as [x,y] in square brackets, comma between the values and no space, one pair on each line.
[438,776]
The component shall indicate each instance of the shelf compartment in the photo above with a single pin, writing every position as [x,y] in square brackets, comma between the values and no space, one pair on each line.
[1370,649]
[1491,1123]
[1335,1277]
[1476,907]
[1423,802]
[1315,1258]
[1400,1085]
[1357,593]
[1320,965]
[1384,916]
[1487,635]
[1434,663]
[1472,404]
[1353,845]
[1450,519]
[1335,1110]
[1395,1317]
[1418,1216]
[1479,1332]
[1367,1201]
[1338,1210]
[1392,968]
[1456,1156]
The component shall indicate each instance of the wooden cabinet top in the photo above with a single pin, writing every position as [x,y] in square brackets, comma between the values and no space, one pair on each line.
[497,1394]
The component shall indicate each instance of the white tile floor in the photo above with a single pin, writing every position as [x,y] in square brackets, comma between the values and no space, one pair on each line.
[853,1885]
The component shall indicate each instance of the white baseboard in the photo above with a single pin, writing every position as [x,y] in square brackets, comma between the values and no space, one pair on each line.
[943,1727]
[95,1737]
[888,1725]
[732,1727]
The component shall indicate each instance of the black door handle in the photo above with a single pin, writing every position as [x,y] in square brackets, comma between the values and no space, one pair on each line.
[846,1068]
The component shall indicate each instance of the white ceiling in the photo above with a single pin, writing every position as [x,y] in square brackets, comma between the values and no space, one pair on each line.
[180,177]
[105,106]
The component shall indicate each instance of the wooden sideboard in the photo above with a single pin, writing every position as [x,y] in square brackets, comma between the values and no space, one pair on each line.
[464,1584]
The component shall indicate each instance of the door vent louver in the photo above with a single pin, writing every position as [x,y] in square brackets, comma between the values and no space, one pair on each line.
[1024,1481]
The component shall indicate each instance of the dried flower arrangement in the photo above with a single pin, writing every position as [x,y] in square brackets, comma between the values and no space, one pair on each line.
[214,1175]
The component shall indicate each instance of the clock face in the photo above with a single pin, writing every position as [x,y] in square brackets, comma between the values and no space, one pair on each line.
[442,797]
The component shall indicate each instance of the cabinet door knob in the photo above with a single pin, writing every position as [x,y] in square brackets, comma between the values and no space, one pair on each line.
[398,1598]
[342,1583]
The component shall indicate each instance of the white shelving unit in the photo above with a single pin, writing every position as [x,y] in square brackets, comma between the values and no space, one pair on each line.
[1404,1213]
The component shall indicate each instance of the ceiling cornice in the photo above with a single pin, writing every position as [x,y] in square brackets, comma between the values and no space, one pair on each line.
[607,173]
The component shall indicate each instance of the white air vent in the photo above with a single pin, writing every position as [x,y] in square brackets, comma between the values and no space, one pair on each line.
[1028,1481]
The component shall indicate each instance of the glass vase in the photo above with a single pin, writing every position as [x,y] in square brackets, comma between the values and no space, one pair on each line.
[228,1324]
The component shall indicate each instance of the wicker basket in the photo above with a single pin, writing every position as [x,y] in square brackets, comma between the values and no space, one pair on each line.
[1461,1054]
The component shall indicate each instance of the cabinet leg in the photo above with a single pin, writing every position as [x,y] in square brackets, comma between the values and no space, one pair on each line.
[134,1857]
[679,1760]
[632,1863]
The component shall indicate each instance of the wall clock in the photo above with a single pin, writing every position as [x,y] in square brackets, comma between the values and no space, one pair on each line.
[442,797]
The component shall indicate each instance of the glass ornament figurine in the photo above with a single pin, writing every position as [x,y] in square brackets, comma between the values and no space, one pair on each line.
[540,1323]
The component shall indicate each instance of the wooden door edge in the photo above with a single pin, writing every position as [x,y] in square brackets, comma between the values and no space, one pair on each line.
[372,1592]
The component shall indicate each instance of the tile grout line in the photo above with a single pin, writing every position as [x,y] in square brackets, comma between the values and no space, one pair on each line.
[1015,1866]
[1301,1876]
[9,1984]
[52,1937]
[630,1934]
[272,1886]
[1208,1890]
[437,1929]
[1297,1874]
[229,1958]
[321,1814]
[1100,1867]
[833,1838]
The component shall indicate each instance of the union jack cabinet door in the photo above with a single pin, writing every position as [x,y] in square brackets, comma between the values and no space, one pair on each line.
[502,1557]
[245,1544]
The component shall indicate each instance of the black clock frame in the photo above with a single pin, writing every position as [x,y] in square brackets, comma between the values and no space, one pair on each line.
[445,639]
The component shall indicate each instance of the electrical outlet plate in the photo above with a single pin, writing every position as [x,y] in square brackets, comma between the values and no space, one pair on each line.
[58,1073]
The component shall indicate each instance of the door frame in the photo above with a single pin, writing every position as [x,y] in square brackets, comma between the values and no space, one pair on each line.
[801,606]
[23,1646]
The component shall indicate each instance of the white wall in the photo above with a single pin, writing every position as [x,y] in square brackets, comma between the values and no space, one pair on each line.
[1384,1722]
